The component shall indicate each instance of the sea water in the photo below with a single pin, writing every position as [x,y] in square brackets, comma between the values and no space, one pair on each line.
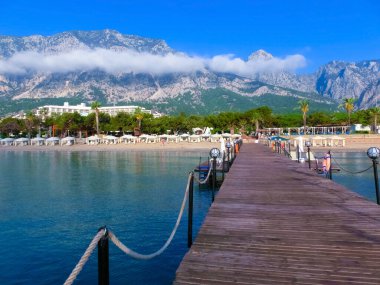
[53,203]
[352,174]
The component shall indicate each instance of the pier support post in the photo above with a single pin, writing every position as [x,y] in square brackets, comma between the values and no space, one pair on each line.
[103,259]
[190,212]
[298,153]
[213,178]
[374,161]
[308,144]
[374,153]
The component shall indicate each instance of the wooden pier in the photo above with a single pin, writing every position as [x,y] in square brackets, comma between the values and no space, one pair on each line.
[274,221]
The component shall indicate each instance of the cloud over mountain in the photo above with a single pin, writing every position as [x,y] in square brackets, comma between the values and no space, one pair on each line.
[130,61]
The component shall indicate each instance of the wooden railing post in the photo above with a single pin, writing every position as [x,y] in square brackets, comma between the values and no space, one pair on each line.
[190,212]
[103,259]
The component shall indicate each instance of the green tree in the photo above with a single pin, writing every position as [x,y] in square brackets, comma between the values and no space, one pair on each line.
[139,115]
[319,119]
[256,119]
[349,106]
[95,106]
[30,121]
[70,122]
[10,126]
[304,107]
[375,113]
[122,122]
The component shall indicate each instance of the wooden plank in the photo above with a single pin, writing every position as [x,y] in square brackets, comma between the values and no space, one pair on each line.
[274,221]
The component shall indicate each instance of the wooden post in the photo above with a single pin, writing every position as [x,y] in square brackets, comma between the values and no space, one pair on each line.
[103,259]
[190,212]
[213,178]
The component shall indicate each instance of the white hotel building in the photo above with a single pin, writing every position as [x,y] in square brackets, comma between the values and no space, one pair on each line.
[84,110]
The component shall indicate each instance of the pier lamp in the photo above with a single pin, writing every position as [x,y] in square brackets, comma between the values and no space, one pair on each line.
[308,144]
[374,153]
[214,153]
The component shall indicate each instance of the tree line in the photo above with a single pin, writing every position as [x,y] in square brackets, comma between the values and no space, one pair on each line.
[245,122]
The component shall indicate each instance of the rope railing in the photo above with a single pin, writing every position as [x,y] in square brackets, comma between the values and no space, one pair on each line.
[137,255]
[350,171]
[204,181]
[104,233]
[78,268]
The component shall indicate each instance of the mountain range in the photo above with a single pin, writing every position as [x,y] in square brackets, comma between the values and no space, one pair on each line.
[38,70]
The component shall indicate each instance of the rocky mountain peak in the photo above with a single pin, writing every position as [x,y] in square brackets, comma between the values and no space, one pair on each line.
[71,40]
[260,55]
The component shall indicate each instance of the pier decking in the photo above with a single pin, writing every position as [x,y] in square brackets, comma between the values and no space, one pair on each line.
[276,222]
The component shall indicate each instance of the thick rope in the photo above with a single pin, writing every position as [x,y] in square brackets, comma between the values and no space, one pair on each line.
[137,255]
[349,171]
[78,268]
[204,180]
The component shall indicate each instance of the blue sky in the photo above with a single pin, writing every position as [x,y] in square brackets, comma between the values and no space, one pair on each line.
[320,30]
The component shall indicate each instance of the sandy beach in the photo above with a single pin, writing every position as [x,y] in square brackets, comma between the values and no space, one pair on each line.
[181,146]
[353,143]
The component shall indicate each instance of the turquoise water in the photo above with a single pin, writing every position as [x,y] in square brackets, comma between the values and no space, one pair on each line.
[52,204]
[362,183]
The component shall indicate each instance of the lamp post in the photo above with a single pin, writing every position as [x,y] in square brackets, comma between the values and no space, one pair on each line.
[374,153]
[308,144]
[214,153]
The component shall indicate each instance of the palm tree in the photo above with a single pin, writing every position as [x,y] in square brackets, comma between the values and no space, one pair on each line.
[95,106]
[304,107]
[30,122]
[42,113]
[139,117]
[349,105]
[256,119]
[375,112]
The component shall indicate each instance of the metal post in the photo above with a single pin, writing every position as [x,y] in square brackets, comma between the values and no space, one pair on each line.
[308,155]
[103,259]
[190,214]
[375,174]
[213,178]
[298,153]
[224,165]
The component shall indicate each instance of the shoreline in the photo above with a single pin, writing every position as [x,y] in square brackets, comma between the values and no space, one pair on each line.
[354,143]
[168,147]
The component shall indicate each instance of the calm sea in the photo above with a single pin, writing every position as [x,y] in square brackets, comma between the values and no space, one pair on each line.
[351,163]
[52,204]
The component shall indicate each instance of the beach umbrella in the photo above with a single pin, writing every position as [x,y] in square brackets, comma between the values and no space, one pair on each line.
[52,141]
[275,138]
[226,135]
[7,141]
[93,139]
[68,140]
[21,141]
[37,141]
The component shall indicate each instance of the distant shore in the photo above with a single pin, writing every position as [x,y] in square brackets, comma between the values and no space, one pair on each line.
[180,146]
[353,143]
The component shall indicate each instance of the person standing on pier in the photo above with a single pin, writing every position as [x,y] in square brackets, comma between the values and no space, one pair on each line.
[326,163]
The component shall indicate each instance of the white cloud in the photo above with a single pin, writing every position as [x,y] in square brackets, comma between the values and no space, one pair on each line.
[131,61]
[227,63]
